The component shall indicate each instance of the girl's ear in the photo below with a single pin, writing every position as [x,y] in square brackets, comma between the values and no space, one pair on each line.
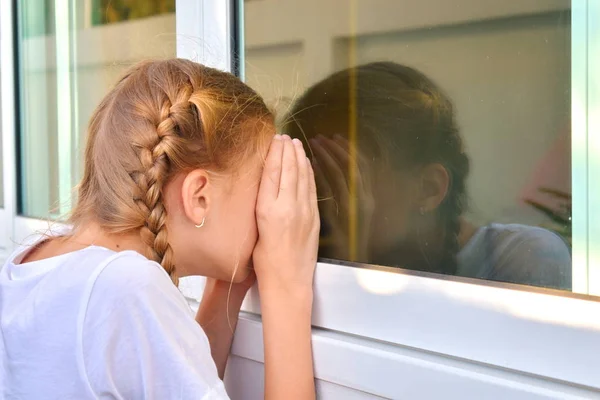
[196,195]
[434,186]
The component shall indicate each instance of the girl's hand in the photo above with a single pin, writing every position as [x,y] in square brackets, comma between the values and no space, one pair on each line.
[332,166]
[284,261]
[288,221]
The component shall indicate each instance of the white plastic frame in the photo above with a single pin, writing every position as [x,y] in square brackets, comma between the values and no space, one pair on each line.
[9,160]
[593,134]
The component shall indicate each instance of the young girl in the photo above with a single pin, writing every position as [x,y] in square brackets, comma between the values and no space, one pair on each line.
[409,193]
[184,175]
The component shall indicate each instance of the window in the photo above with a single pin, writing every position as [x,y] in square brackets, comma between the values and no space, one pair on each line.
[70,53]
[441,130]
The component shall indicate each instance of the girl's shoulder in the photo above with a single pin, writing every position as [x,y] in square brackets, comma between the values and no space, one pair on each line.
[517,253]
[513,235]
[127,276]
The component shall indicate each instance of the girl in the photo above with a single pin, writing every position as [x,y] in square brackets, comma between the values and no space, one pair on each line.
[408,195]
[183,176]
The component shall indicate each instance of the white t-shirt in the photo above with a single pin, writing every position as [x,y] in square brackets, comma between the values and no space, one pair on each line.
[516,253]
[99,324]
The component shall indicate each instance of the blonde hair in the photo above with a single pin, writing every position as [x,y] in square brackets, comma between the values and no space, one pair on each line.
[163,118]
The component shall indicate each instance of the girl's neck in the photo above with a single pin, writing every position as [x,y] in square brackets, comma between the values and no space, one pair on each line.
[425,252]
[87,235]
[92,234]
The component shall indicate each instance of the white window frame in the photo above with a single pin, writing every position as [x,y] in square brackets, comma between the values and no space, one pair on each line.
[532,331]
[593,135]
[8,212]
[550,335]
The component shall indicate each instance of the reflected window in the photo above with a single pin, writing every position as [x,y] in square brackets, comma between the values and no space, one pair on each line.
[70,54]
[440,135]
[109,11]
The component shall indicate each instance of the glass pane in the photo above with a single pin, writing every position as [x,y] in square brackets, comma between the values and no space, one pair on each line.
[70,54]
[440,130]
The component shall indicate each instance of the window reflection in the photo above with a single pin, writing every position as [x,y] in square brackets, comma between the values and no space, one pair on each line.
[397,195]
[70,54]
[441,148]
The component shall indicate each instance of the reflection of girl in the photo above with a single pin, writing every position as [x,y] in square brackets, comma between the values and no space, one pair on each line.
[409,182]
[173,166]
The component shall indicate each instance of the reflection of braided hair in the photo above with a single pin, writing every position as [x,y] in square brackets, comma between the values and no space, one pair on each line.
[404,119]
[163,117]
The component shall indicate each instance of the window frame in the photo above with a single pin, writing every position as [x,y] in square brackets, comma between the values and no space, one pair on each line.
[7,129]
[527,330]
[545,333]
[593,135]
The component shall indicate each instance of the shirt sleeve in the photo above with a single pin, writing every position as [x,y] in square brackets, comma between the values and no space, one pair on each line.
[535,257]
[140,340]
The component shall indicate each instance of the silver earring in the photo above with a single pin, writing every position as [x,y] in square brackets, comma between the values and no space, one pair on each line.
[201,224]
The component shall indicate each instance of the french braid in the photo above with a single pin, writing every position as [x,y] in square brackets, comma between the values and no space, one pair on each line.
[150,179]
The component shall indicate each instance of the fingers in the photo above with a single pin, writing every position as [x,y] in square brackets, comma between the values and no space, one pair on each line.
[303,174]
[328,204]
[312,186]
[288,184]
[331,168]
[269,183]
[342,142]
[340,149]
[312,193]
[321,183]
[358,157]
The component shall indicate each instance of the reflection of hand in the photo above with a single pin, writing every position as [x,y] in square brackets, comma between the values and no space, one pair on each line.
[332,166]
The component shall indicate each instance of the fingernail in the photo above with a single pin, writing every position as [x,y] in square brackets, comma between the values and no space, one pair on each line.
[286,137]
[297,142]
[277,137]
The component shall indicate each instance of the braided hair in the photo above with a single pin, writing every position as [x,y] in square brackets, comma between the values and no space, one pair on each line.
[403,119]
[163,117]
